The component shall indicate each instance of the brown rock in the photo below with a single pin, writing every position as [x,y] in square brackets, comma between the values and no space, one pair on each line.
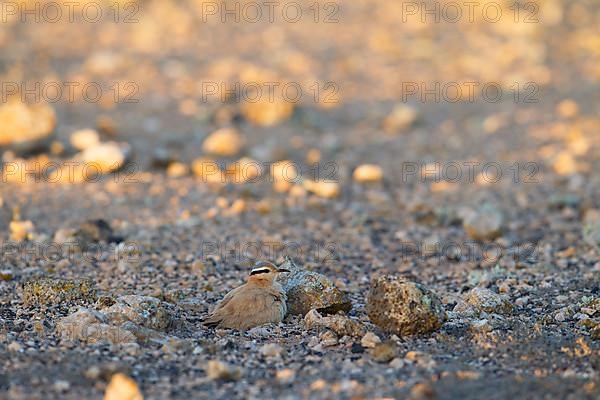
[106,157]
[370,340]
[403,307]
[224,142]
[21,230]
[49,291]
[367,173]
[218,370]
[266,112]
[595,332]
[384,352]
[208,170]
[400,119]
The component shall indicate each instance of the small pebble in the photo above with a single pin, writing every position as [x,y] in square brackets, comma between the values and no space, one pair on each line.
[93,372]
[401,118]
[208,171]
[218,370]
[422,391]
[84,139]
[271,350]
[244,170]
[106,157]
[6,275]
[21,230]
[328,339]
[14,347]
[560,316]
[384,352]
[177,170]
[61,386]
[488,301]
[370,340]
[325,189]
[285,376]
[522,301]
[481,326]
[565,164]
[367,173]
[225,142]
[484,223]
[397,363]
[266,111]
[122,387]
[567,108]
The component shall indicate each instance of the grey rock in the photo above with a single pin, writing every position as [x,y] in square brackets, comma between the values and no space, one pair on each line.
[86,235]
[340,324]
[591,228]
[142,334]
[115,324]
[308,290]
[145,311]
[92,326]
[488,301]
[484,223]
[75,325]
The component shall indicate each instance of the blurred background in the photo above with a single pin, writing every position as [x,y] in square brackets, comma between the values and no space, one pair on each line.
[352,78]
[440,102]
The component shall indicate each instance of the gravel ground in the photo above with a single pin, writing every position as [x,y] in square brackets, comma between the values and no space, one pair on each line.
[531,236]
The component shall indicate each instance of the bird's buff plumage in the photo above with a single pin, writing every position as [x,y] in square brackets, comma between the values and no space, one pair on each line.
[259,301]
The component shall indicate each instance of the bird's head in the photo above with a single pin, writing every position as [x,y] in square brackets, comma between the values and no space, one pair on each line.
[264,270]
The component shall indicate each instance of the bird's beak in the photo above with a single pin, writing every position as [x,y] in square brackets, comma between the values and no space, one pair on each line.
[283,270]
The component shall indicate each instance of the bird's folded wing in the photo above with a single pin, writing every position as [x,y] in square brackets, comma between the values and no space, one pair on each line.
[228,298]
[220,311]
[244,302]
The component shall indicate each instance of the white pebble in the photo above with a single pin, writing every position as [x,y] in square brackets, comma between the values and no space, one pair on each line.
[84,139]
[61,386]
[370,340]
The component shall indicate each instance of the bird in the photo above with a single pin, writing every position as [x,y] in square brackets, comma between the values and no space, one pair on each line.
[261,300]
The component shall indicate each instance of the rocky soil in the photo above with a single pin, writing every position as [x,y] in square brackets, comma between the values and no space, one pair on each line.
[441,249]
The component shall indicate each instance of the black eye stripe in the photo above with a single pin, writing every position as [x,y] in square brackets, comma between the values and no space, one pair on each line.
[260,271]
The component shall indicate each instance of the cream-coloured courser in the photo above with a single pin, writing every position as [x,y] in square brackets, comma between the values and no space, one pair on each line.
[259,301]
